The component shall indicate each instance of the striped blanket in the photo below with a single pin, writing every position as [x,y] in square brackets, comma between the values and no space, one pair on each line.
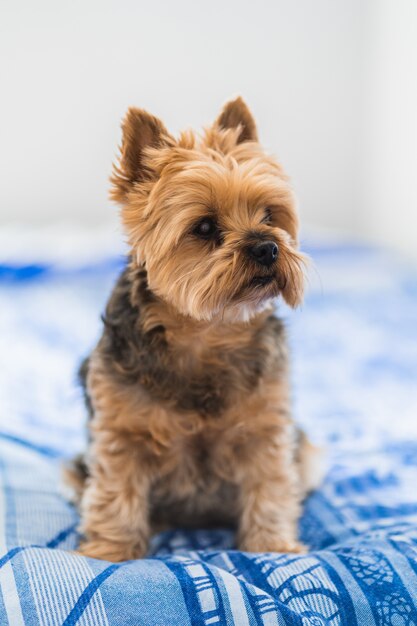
[354,370]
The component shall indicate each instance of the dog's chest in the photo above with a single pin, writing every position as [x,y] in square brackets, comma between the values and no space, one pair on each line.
[205,384]
[186,369]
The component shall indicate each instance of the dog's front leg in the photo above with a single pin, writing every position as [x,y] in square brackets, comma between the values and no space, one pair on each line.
[114,506]
[270,503]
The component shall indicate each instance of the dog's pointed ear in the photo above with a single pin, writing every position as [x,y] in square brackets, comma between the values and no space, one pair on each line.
[140,130]
[236,113]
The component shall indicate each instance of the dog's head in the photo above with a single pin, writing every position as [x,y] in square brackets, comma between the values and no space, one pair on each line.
[212,219]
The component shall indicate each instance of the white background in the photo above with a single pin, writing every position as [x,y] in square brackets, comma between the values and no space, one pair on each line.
[332,83]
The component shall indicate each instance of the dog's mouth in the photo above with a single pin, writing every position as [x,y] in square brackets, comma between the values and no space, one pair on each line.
[261,287]
[274,282]
[261,281]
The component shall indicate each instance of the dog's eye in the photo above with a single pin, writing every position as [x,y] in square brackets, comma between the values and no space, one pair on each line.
[267,219]
[206,228]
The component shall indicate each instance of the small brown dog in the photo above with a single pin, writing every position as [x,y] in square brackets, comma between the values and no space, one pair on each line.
[188,386]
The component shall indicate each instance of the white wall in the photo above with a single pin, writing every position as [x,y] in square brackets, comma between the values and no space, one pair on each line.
[389,159]
[70,69]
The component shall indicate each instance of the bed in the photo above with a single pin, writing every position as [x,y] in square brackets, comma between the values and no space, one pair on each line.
[354,372]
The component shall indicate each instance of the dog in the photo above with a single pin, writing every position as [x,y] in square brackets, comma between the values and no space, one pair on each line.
[187,390]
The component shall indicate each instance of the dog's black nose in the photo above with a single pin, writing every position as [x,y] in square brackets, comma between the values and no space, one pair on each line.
[264,252]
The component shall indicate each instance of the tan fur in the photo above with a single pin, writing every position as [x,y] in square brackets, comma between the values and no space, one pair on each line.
[188,386]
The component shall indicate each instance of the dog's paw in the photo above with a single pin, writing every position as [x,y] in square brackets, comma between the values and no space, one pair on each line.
[111,551]
[295,547]
[261,543]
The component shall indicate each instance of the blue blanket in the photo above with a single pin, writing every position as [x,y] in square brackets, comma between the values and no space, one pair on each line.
[354,370]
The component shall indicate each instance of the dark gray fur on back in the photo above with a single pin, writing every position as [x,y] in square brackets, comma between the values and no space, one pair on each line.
[146,359]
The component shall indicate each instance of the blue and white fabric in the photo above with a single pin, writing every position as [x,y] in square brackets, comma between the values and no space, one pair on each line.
[354,371]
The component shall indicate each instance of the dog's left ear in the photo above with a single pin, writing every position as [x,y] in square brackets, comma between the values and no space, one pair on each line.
[236,113]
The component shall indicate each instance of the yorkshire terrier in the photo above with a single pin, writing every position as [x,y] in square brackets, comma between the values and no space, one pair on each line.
[187,389]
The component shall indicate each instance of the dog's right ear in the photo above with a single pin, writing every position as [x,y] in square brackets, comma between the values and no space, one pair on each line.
[140,130]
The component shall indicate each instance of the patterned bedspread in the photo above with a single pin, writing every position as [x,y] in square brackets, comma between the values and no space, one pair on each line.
[354,347]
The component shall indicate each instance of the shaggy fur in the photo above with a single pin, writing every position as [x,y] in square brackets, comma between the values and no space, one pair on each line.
[187,389]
